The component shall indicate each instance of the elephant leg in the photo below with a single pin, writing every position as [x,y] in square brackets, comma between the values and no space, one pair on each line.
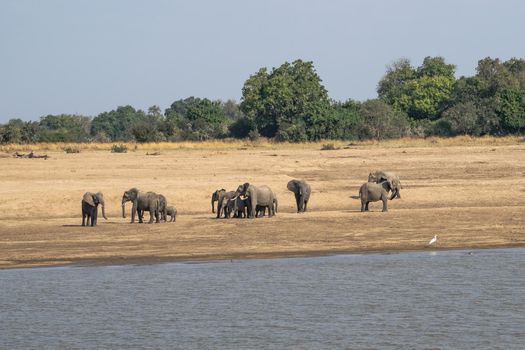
[305,205]
[252,207]
[94,216]
[157,215]
[298,202]
[219,208]
[363,205]
[151,215]
[366,206]
[385,203]
[83,217]
[133,212]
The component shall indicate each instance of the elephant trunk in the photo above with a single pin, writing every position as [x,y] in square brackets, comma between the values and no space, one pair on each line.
[123,209]
[212,206]
[103,211]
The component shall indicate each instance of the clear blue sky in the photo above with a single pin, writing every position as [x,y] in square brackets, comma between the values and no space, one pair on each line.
[90,56]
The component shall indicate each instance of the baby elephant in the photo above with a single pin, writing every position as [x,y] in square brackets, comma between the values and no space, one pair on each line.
[172,212]
[237,207]
[373,192]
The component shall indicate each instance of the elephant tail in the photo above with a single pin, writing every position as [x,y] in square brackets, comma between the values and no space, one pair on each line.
[360,191]
[276,204]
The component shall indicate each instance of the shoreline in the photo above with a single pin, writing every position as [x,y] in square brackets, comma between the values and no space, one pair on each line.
[158,260]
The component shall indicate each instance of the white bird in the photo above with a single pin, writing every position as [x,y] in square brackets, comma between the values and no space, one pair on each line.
[433,240]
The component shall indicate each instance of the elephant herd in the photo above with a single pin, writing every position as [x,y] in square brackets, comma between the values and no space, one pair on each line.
[156,204]
[250,201]
[247,201]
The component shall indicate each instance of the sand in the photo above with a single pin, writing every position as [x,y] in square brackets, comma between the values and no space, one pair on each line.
[470,196]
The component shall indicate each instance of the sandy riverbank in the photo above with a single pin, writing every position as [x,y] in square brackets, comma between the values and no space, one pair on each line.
[470,196]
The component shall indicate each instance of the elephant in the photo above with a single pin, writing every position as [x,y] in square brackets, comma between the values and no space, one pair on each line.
[373,192]
[302,192]
[172,212]
[141,201]
[260,210]
[391,178]
[163,204]
[238,207]
[222,205]
[261,196]
[215,198]
[90,202]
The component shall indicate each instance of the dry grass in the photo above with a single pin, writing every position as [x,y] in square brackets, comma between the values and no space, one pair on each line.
[230,144]
[470,195]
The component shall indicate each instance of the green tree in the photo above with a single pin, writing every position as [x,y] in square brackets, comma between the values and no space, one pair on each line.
[463,119]
[422,93]
[339,121]
[233,110]
[30,132]
[196,119]
[12,131]
[511,109]
[149,127]
[516,68]
[434,67]
[64,128]
[285,102]
[425,97]
[117,125]
[494,75]
[381,121]
[397,74]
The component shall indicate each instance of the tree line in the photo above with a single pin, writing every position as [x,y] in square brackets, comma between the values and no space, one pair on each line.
[289,103]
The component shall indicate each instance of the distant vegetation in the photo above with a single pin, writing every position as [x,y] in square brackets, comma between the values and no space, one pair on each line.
[289,104]
[119,148]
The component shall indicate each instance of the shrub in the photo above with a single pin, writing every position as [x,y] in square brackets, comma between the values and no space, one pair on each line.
[254,135]
[70,149]
[329,147]
[119,148]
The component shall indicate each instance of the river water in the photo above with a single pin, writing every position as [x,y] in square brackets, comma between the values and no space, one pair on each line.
[424,300]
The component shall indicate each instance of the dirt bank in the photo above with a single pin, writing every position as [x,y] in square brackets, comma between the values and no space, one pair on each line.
[470,196]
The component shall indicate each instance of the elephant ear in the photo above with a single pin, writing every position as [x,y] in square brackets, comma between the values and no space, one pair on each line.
[392,184]
[88,198]
[100,197]
[291,186]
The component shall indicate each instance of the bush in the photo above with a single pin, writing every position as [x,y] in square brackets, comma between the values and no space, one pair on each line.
[380,121]
[254,135]
[119,148]
[329,147]
[241,128]
[70,149]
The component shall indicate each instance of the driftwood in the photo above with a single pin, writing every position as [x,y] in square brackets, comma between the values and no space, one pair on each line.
[153,154]
[30,155]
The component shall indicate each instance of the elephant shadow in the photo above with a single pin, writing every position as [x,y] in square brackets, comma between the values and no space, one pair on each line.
[80,225]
